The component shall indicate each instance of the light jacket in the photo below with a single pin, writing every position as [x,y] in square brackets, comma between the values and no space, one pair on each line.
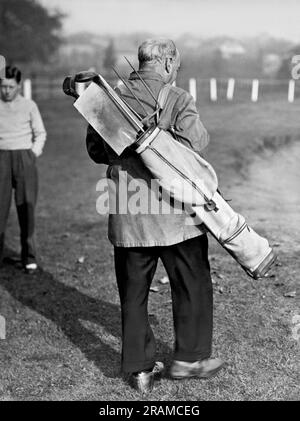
[181,118]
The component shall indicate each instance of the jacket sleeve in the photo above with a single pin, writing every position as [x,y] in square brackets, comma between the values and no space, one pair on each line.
[96,147]
[188,128]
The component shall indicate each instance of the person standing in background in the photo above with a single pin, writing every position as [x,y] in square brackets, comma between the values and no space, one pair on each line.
[22,138]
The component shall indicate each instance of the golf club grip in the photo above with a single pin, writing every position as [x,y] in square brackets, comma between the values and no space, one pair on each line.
[86,76]
[68,87]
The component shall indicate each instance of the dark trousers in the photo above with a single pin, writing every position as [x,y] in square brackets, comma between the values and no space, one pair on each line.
[188,269]
[18,171]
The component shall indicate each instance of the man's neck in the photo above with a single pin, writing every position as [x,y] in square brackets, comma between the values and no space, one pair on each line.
[15,99]
[150,68]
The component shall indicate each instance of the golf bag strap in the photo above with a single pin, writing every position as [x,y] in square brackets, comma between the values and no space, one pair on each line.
[162,99]
[210,205]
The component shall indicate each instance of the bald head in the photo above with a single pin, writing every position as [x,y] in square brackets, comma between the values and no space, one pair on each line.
[160,55]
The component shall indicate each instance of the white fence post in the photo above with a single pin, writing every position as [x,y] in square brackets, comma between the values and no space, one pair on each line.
[193,88]
[291,92]
[27,89]
[213,90]
[230,89]
[80,88]
[254,93]
[2,327]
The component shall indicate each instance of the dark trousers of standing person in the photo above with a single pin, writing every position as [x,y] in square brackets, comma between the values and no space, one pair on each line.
[188,269]
[18,172]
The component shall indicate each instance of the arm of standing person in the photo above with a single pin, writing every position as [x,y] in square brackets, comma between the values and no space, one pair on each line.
[38,130]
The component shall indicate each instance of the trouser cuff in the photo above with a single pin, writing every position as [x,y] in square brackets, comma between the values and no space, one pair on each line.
[191,357]
[133,367]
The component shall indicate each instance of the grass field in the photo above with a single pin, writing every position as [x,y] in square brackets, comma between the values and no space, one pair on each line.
[63,323]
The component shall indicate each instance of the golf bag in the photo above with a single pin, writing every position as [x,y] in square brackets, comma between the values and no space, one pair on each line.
[180,171]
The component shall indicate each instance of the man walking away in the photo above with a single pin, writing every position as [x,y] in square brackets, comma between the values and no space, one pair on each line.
[141,239]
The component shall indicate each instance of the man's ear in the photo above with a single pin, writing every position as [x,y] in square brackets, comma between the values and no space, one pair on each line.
[168,64]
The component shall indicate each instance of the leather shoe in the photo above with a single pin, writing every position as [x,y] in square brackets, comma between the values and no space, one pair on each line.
[203,369]
[143,381]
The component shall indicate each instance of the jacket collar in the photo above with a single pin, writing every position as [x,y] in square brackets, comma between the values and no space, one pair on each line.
[146,75]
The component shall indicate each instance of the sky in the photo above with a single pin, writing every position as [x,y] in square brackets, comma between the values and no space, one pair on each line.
[280,18]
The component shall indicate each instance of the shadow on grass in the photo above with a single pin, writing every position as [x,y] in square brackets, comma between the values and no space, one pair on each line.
[66,307]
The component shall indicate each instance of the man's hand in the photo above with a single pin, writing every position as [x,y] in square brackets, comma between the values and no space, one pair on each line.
[37,150]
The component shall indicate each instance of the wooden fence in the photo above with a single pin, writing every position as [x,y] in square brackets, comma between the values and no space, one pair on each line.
[213,90]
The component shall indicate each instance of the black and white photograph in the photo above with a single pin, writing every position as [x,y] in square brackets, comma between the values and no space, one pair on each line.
[149,203]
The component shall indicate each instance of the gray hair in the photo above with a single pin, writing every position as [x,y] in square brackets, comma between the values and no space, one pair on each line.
[152,51]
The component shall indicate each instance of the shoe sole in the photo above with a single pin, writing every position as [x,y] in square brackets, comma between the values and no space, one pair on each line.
[209,375]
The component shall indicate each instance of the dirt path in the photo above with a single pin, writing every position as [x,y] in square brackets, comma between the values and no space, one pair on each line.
[270,198]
